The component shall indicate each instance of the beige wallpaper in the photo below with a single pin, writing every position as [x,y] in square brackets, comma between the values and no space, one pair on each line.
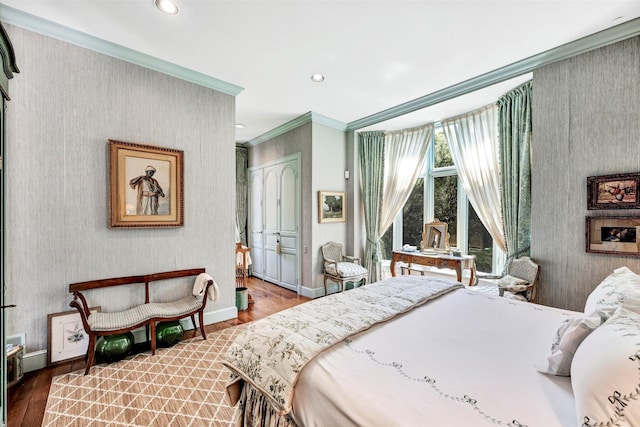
[586,121]
[66,102]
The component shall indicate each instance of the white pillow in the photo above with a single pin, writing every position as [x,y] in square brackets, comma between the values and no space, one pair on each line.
[567,338]
[613,290]
[605,373]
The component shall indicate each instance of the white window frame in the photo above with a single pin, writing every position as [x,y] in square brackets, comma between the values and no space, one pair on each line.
[429,174]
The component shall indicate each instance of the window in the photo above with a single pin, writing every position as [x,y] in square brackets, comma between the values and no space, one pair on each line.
[438,194]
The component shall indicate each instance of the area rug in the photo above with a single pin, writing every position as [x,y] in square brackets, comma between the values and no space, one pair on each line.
[180,386]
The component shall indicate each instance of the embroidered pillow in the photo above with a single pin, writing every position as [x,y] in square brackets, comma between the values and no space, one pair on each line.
[613,290]
[605,373]
[567,338]
[513,284]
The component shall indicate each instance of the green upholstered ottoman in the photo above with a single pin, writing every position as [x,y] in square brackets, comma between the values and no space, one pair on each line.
[111,348]
[169,333]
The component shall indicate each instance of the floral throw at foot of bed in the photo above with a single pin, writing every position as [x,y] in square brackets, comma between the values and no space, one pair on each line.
[271,352]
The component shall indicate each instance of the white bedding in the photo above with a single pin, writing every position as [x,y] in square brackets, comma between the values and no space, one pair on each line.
[464,359]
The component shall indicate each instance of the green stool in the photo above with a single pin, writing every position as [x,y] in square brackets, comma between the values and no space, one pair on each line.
[169,333]
[111,348]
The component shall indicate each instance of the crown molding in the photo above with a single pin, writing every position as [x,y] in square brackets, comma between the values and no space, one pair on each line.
[594,41]
[36,24]
[308,117]
[328,121]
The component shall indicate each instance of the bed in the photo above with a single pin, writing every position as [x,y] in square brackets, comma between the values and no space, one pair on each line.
[449,357]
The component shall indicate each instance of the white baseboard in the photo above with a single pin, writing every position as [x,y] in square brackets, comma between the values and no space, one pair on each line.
[35,360]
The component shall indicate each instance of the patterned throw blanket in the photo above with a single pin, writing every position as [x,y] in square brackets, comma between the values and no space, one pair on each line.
[270,354]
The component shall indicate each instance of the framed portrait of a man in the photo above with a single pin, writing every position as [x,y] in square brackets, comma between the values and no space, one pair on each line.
[145,186]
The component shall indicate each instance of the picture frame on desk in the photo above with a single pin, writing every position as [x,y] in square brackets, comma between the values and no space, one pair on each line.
[435,236]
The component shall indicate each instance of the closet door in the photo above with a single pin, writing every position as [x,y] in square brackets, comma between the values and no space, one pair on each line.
[278,227]
[255,223]
[271,201]
[289,225]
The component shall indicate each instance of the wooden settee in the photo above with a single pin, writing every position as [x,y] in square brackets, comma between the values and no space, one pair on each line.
[148,313]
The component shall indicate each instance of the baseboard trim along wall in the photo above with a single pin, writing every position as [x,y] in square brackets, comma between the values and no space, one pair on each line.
[36,360]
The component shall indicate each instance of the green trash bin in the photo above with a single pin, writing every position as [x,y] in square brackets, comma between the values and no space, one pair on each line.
[242,299]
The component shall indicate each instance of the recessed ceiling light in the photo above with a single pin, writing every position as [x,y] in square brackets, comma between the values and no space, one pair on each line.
[317,77]
[239,126]
[167,6]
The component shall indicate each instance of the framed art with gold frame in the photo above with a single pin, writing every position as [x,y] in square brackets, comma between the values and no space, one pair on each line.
[614,235]
[145,186]
[331,206]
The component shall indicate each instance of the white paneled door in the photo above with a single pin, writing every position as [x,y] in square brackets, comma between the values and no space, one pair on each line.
[274,222]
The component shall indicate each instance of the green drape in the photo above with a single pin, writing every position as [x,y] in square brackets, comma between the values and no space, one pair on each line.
[371,148]
[242,186]
[514,121]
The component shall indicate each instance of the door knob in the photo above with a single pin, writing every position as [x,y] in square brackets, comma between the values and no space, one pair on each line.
[7,306]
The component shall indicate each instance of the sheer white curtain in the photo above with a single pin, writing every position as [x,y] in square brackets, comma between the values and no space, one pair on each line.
[405,154]
[473,140]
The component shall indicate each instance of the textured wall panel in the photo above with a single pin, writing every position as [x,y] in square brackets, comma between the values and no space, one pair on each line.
[66,102]
[586,122]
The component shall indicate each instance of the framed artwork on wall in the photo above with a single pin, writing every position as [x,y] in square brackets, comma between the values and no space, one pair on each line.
[331,206]
[613,235]
[145,186]
[613,191]
[66,338]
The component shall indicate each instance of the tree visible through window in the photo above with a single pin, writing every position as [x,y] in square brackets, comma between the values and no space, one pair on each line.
[413,216]
[480,242]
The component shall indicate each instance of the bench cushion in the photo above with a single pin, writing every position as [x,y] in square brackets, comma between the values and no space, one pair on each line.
[117,320]
[174,308]
[99,321]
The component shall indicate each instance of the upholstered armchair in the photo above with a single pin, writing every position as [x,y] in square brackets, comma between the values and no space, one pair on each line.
[521,282]
[340,268]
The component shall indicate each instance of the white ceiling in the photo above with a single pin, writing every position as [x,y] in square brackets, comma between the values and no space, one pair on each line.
[375,54]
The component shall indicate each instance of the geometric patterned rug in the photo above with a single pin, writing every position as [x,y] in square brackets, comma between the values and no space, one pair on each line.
[183,385]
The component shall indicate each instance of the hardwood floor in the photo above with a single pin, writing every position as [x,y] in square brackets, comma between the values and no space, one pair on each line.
[26,401]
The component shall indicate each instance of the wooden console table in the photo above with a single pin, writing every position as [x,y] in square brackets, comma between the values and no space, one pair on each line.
[456,263]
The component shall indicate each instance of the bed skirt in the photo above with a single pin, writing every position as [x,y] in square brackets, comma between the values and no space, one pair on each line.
[256,411]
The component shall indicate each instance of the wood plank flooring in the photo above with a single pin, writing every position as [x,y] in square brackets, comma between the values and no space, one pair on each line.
[26,401]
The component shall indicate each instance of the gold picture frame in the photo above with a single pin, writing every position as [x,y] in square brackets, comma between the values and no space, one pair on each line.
[66,337]
[435,236]
[145,186]
[613,235]
[332,206]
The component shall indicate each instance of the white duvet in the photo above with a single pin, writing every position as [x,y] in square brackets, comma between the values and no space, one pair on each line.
[464,359]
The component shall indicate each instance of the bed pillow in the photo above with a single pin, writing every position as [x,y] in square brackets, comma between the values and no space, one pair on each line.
[513,284]
[605,373]
[566,340]
[613,290]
